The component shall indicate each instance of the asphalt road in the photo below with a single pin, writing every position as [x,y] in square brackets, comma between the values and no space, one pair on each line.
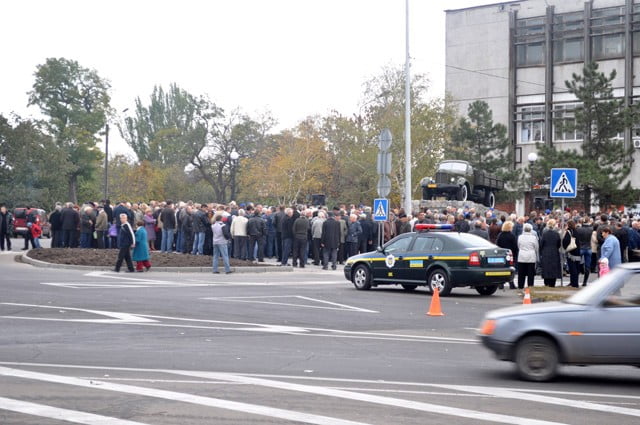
[271,348]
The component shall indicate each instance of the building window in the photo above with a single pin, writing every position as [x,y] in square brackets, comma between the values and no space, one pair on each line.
[529,40]
[530,123]
[607,32]
[564,121]
[568,40]
[635,27]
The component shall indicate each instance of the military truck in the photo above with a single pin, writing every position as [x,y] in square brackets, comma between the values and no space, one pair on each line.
[460,181]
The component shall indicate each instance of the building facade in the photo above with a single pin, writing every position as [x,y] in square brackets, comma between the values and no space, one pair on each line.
[517,55]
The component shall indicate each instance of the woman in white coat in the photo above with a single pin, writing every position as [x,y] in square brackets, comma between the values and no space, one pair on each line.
[528,247]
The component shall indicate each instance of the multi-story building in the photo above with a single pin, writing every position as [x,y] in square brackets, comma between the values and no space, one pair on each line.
[517,55]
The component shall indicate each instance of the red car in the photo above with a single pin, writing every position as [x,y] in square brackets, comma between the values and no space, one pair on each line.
[20,215]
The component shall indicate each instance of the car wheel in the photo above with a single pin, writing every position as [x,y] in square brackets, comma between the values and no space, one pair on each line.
[489,199]
[438,279]
[361,277]
[409,288]
[463,193]
[536,358]
[487,289]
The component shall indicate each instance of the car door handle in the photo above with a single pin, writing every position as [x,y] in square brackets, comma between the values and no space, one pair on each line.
[400,258]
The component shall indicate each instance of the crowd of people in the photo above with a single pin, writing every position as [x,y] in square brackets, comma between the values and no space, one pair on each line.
[547,244]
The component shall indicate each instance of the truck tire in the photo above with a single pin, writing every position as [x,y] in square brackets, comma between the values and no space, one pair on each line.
[463,193]
[489,199]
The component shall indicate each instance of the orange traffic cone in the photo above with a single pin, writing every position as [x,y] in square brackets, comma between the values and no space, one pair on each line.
[527,297]
[434,309]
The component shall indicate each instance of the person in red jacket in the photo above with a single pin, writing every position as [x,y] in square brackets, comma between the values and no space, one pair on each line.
[36,233]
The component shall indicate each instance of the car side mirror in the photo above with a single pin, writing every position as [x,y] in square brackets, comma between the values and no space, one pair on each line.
[380,249]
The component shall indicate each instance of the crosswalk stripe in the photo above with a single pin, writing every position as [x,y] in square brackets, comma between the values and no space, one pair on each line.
[51,412]
[256,409]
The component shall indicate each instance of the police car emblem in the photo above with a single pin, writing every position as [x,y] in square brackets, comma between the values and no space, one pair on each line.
[390,261]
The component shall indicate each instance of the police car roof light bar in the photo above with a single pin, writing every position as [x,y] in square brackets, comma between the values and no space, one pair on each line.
[423,226]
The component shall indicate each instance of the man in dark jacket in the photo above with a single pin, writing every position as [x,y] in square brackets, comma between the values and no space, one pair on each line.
[168,218]
[330,241]
[200,224]
[287,233]
[70,221]
[126,240]
[277,224]
[257,231]
[366,237]
[6,227]
[55,222]
[300,234]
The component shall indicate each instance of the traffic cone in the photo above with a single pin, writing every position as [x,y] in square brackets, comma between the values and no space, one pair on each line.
[527,297]
[434,308]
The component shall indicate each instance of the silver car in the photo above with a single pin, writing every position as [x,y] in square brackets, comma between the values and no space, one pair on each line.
[600,324]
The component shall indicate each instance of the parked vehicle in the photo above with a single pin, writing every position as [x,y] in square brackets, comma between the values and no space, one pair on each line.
[435,259]
[20,217]
[600,324]
[459,180]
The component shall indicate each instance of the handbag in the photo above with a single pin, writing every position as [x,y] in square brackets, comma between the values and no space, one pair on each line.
[572,245]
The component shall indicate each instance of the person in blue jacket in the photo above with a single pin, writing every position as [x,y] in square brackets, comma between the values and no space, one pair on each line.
[610,248]
[141,250]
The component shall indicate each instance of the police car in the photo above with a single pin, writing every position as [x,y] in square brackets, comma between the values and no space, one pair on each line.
[436,257]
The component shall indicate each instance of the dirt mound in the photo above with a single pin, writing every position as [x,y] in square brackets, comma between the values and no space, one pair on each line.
[108,257]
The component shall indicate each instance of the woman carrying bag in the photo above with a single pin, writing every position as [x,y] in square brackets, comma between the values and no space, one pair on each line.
[572,250]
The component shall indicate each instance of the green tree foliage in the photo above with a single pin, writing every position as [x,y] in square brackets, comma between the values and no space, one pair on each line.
[603,162]
[27,176]
[158,132]
[478,140]
[431,121]
[76,101]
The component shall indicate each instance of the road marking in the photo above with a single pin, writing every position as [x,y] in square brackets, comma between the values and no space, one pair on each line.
[181,397]
[369,398]
[257,300]
[152,320]
[522,394]
[60,414]
[116,317]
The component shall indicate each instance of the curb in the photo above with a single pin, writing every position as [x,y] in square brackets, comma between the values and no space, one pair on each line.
[37,263]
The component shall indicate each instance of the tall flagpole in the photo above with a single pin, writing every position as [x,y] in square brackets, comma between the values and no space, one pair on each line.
[407,123]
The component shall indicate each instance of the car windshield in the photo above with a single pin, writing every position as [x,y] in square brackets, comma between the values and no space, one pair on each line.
[598,288]
[459,167]
[471,241]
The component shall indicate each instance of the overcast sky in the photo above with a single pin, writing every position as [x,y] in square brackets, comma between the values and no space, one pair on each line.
[294,58]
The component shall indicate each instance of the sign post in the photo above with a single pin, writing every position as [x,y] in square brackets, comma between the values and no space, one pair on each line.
[564,184]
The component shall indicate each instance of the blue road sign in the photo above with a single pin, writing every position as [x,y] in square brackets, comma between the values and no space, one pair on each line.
[380,209]
[564,183]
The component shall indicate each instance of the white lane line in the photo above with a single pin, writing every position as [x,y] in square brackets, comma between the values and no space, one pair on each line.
[258,300]
[60,414]
[368,398]
[255,409]
[116,317]
[150,320]
[522,394]
[316,379]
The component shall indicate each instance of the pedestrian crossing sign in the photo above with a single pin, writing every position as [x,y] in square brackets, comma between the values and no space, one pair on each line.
[380,209]
[564,183]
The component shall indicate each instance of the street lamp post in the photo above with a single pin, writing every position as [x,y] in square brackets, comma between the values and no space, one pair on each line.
[106,161]
[234,155]
[532,157]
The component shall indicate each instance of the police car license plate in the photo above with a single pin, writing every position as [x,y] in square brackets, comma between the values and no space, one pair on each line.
[495,260]
[432,185]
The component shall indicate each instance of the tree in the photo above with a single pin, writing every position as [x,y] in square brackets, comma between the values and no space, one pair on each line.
[603,162]
[431,121]
[26,174]
[158,132]
[481,142]
[76,101]
[296,166]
